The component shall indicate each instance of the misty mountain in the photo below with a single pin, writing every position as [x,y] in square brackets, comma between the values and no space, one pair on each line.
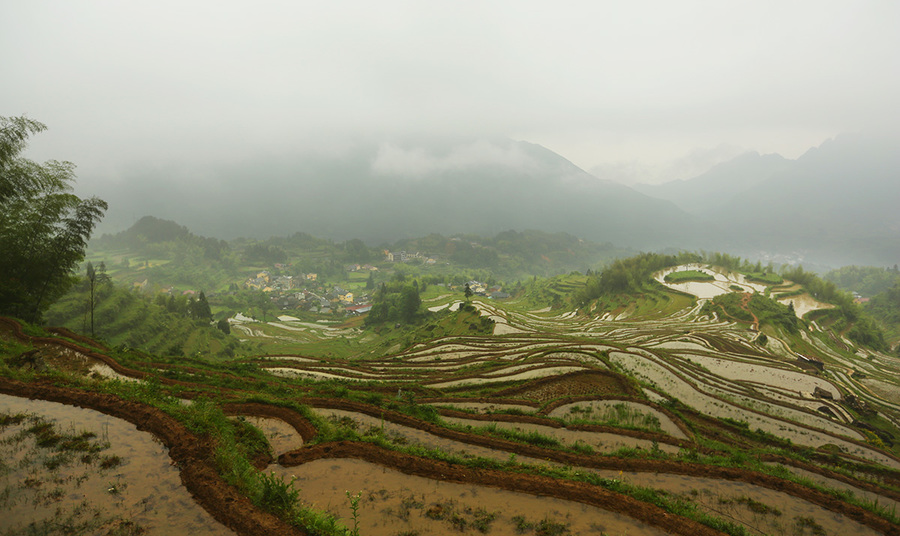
[836,204]
[703,195]
[383,193]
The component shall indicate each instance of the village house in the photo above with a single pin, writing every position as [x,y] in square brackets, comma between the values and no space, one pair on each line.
[284,282]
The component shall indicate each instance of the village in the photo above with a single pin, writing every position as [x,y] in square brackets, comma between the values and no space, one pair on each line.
[309,292]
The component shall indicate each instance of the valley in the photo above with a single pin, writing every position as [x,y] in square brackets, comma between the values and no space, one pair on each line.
[663,414]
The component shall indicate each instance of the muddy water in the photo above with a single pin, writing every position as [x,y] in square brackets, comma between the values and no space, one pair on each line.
[598,408]
[728,500]
[285,372]
[76,362]
[539,373]
[282,436]
[740,370]
[404,434]
[675,386]
[486,407]
[394,503]
[804,303]
[859,493]
[399,510]
[724,280]
[145,488]
[599,441]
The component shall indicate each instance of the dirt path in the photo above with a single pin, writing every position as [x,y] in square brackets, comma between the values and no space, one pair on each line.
[745,305]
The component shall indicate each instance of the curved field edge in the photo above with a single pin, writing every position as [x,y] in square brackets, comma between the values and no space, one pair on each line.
[192,454]
[675,467]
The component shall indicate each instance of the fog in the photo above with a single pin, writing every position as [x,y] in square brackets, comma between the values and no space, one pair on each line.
[641,85]
[167,107]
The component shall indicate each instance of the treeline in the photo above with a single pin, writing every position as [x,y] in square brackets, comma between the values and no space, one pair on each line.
[158,238]
[397,301]
[515,254]
[167,325]
[886,305]
[630,275]
[866,280]
[265,254]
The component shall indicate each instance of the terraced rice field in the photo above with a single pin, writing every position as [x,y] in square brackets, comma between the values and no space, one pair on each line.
[129,487]
[560,420]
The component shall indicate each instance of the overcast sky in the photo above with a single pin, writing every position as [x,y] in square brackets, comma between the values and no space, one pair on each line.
[620,87]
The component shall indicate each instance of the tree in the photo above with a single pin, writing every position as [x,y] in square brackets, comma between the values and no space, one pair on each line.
[44,227]
[200,308]
[467,292]
[224,326]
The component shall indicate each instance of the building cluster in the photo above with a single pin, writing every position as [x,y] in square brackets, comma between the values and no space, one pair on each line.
[482,289]
[265,282]
[286,293]
[403,256]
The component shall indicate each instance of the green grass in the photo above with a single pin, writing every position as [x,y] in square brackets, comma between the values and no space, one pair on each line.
[688,275]
[768,278]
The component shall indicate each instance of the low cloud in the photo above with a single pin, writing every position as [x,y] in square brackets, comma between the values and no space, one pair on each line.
[421,162]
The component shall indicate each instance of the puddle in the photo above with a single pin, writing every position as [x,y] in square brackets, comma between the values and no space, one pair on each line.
[144,488]
[394,503]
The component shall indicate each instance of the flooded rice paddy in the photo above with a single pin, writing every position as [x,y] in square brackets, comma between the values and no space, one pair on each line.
[608,411]
[485,407]
[142,491]
[407,435]
[528,375]
[282,437]
[674,385]
[763,510]
[395,503]
[804,303]
[724,280]
[599,441]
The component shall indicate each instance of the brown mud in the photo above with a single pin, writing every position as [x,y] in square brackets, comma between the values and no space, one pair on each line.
[192,454]
[620,464]
[531,484]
